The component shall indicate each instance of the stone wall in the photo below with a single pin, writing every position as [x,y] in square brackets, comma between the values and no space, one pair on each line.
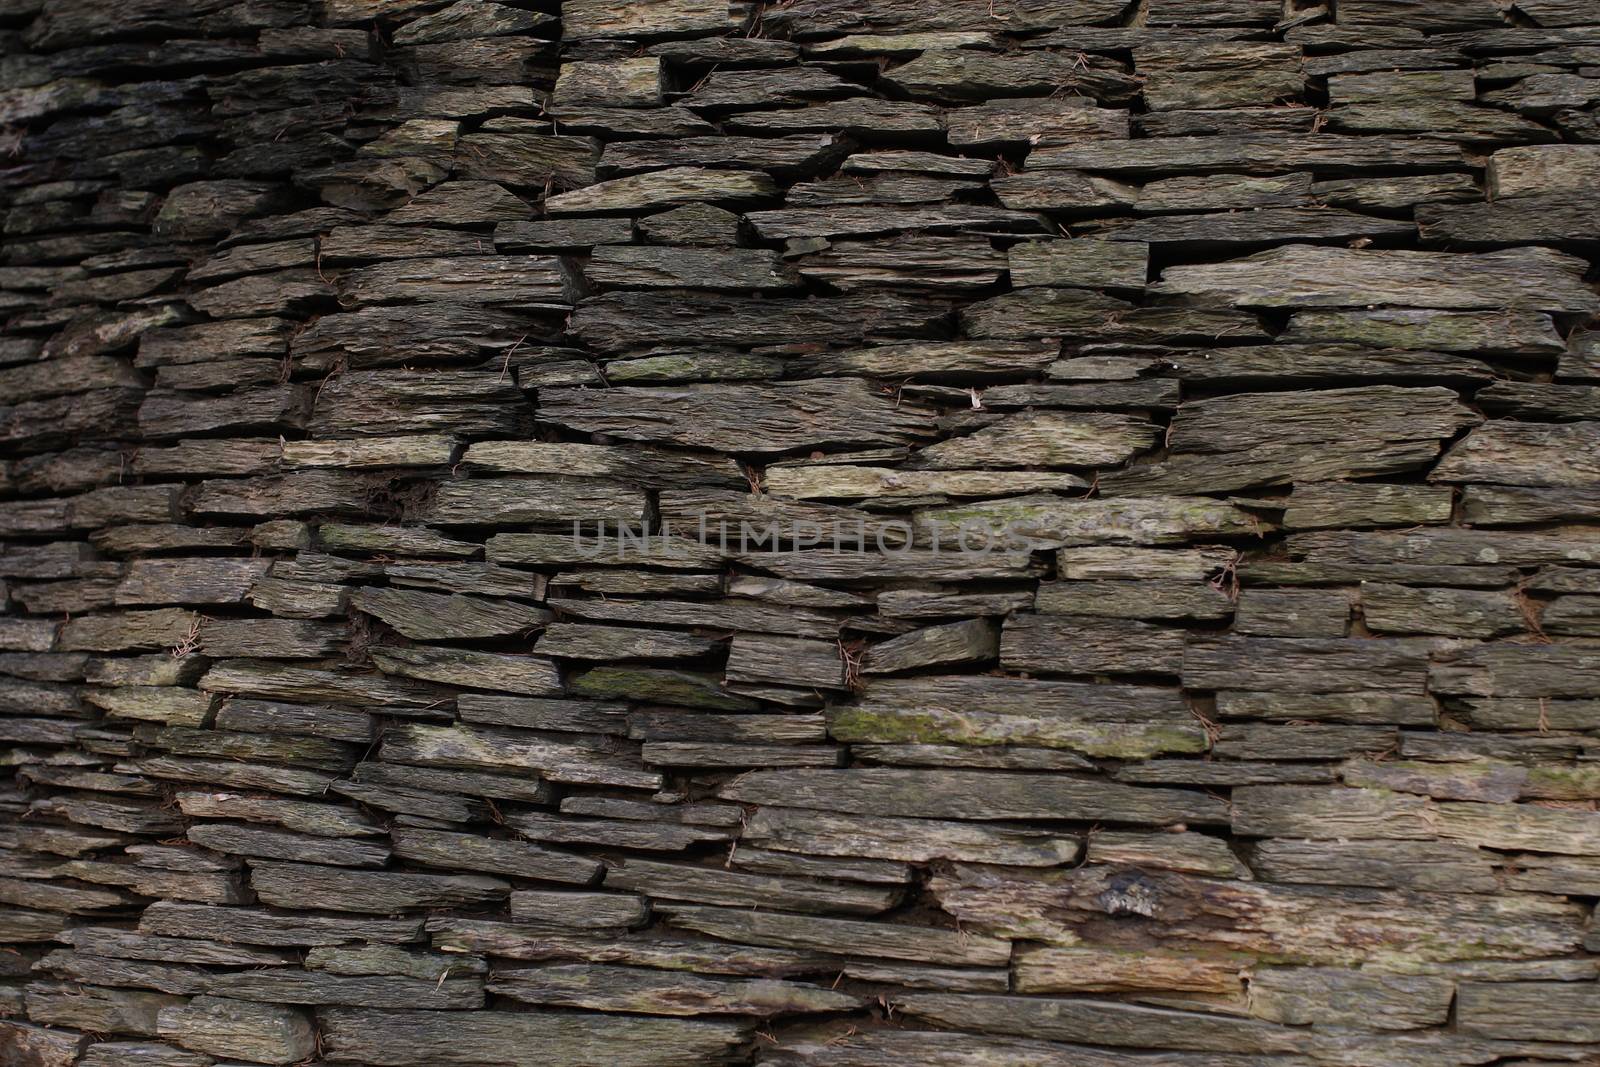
[1172,433]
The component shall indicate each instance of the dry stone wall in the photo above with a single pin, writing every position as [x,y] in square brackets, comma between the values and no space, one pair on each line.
[1174,431]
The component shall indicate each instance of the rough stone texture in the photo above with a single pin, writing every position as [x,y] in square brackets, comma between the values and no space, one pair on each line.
[1132,594]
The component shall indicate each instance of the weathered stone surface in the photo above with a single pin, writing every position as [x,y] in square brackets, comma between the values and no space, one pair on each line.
[41,1045]
[1032,120]
[968,795]
[1542,169]
[1507,1010]
[1255,226]
[1042,533]
[631,83]
[662,993]
[1178,154]
[533,675]
[491,749]
[273,844]
[1104,1022]
[97,1008]
[1513,453]
[1450,331]
[830,481]
[579,641]
[1540,671]
[424,616]
[663,189]
[293,986]
[1063,190]
[675,881]
[909,839]
[1086,264]
[1067,644]
[518,1039]
[369,892]
[1324,505]
[301,816]
[852,221]
[259,927]
[1296,924]
[1089,970]
[1305,665]
[228,1027]
[975,641]
[1330,997]
[788,157]
[593,911]
[648,836]
[587,18]
[630,267]
[1528,279]
[1052,521]
[958,74]
[153,1054]
[1187,851]
[1436,866]
[766,418]
[844,936]
[1048,439]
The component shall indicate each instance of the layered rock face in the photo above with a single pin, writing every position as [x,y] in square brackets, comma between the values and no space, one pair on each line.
[828,533]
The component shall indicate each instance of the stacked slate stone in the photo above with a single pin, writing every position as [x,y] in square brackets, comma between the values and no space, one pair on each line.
[1267,735]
